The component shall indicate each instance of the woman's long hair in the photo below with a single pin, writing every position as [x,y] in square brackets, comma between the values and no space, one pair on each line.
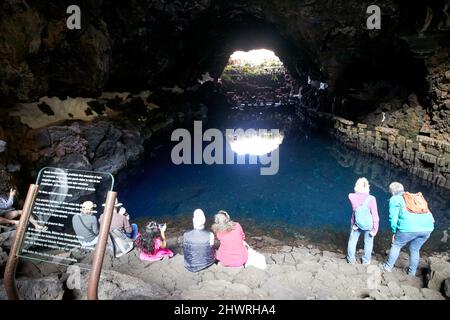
[222,223]
[146,240]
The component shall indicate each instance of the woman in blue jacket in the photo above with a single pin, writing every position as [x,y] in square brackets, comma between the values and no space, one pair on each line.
[408,228]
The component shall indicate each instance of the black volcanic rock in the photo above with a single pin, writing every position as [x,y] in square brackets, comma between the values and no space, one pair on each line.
[135,45]
[94,135]
[103,145]
[43,138]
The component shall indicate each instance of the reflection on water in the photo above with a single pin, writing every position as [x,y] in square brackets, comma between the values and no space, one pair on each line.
[254,142]
[307,198]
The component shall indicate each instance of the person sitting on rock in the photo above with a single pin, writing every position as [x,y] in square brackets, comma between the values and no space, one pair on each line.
[120,220]
[198,245]
[8,214]
[408,228]
[134,232]
[85,225]
[362,199]
[151,242]
[231,252]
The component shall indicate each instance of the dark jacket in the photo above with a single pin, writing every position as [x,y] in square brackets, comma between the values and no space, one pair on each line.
[198,252]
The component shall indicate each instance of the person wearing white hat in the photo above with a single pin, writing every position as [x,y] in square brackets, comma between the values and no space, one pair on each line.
[85,225]
[198,245]
[132,234]
[117,204]
[120,221]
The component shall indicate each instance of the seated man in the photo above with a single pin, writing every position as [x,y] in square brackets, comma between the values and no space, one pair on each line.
[133,234]
[198,245]
[85,225]
[8,214]
[120,220]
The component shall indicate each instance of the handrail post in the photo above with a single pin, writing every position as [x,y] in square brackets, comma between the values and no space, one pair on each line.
[9,279]
[99,254]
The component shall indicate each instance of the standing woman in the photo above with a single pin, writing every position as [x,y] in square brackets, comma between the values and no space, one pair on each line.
[362,202]
[409,228]
[231,252]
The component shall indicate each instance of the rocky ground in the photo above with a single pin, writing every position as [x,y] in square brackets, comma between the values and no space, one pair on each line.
[301,272]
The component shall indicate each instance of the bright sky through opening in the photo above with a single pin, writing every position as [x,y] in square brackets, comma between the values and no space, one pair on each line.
[254,57]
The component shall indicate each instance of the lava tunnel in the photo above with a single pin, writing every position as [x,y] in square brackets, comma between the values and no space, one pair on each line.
[169,126]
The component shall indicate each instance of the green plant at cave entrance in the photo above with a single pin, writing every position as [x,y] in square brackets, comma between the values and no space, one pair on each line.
[255,77]
[254,63]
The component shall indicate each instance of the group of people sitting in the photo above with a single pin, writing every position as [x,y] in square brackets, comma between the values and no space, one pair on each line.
[198,243]
[86,226]
[409,225]
[150,241]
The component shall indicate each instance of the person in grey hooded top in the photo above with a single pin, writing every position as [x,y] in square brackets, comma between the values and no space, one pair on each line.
[85,225]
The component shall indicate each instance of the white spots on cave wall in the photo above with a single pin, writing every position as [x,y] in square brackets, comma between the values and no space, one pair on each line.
[3,145]
[317,84]
[57,110]
[176,89]
[50,110]
[144,95]
[126,96]
[113,95]
[206,77]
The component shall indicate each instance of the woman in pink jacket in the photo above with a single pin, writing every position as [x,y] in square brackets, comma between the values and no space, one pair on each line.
[362,196]
[231,252]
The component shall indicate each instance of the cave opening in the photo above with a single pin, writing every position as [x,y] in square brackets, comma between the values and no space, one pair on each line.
[256,78]
[258,87]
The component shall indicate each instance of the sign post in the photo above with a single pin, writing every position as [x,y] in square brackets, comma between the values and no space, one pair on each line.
[62,203]
[99,254]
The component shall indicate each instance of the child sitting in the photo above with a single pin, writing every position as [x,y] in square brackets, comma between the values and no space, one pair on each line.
[151,242]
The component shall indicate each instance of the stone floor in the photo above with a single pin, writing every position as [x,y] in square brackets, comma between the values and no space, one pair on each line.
[293,273]
[304,272]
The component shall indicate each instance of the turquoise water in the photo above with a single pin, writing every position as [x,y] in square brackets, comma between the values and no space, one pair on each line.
[308,195]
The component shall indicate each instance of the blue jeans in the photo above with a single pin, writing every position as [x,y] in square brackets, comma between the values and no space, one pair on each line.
[353,241]
[134,232]
[415,240]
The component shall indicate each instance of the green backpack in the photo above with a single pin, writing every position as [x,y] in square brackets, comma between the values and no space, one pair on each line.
[363,217]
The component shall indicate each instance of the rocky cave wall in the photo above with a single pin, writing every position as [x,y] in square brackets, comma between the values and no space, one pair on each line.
[149,44]
[142,44]
[135,45]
